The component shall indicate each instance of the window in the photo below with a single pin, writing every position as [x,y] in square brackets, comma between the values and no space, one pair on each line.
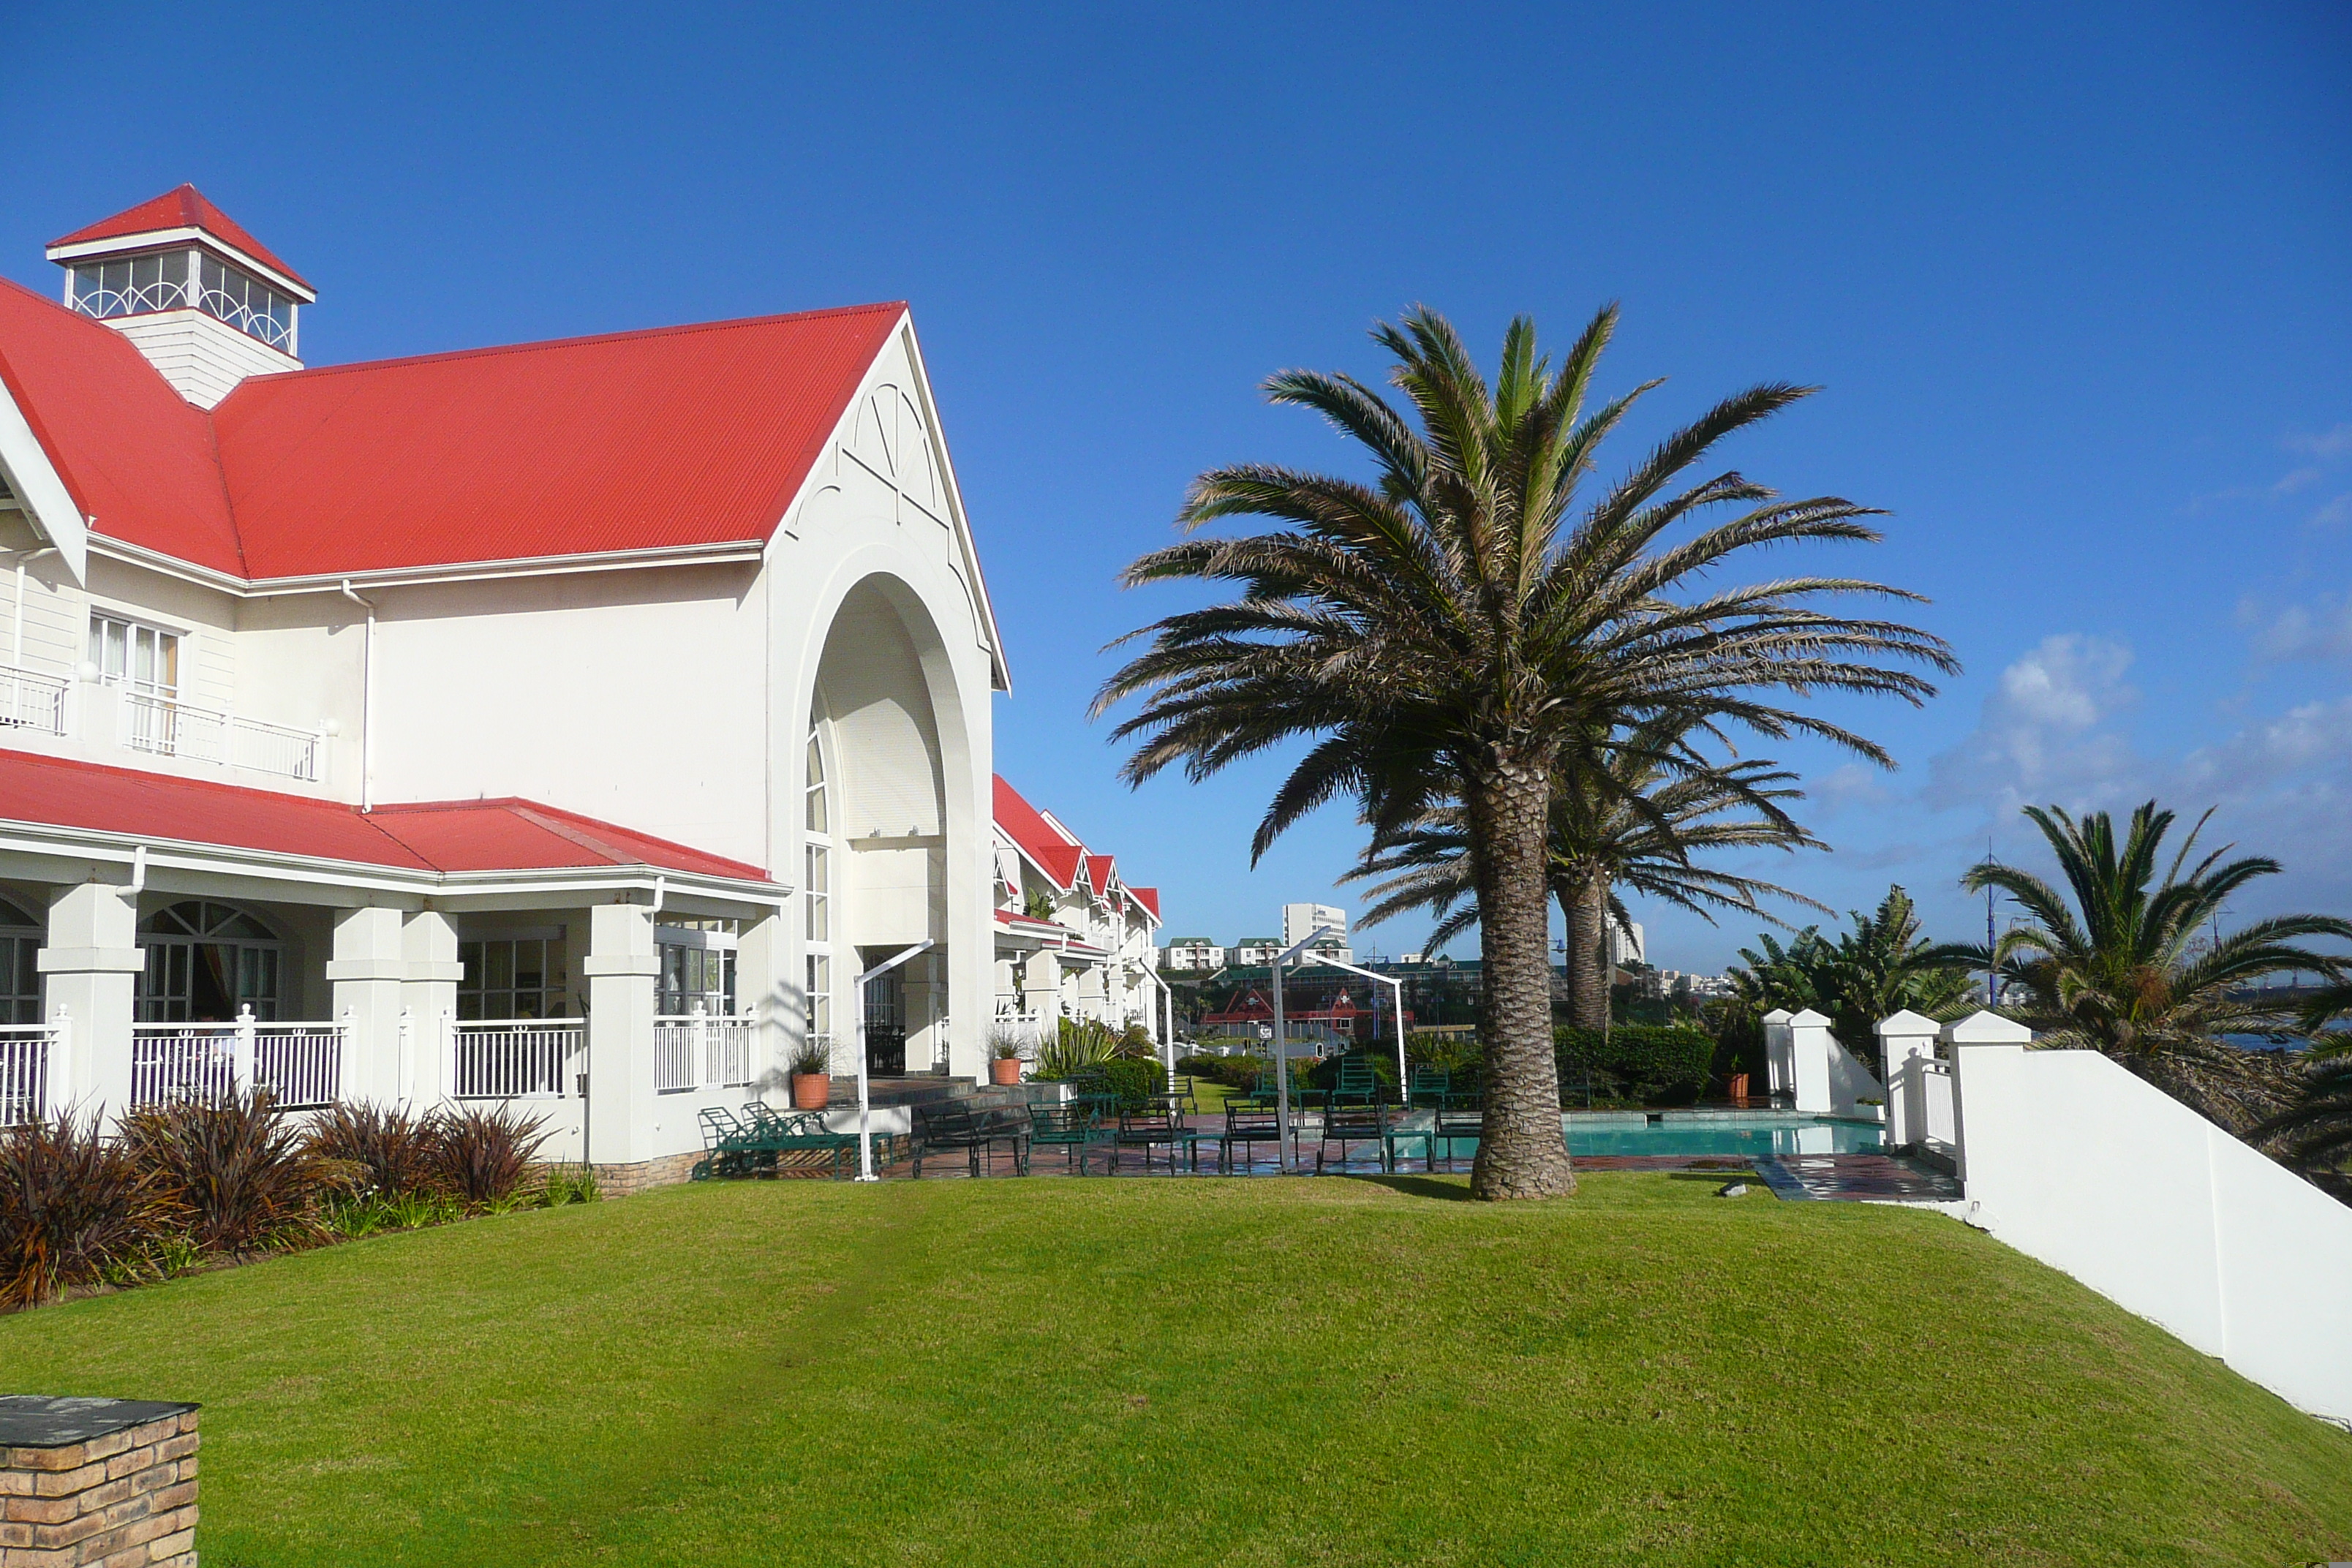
[249,305]
[521,975]
[817,894]
[131,284]
[698,967]
[20,978]
[206,963]
[145,658]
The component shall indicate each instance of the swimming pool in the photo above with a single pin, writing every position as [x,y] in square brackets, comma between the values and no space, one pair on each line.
[1720,1133]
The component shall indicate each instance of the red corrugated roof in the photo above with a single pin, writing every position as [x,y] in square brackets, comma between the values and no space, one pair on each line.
[134,454]
[681,436]
[427,836]
[1149,898]
[183,208]
[668,438]
[1035,837]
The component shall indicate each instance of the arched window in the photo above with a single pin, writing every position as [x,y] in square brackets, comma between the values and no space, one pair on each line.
[818,868]
[206,962]
[20,976]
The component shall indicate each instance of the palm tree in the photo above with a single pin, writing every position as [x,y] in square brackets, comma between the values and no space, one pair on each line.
[2130,968]
[1469,623]
[1635,824]
[2314,1134]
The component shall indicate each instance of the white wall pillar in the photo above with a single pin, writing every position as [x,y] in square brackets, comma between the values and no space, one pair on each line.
[1779,1075]
[1906,1040]
[366,972]
[89,959]
[1990,1049]
[620,966]
[428,999]
[1809,1058]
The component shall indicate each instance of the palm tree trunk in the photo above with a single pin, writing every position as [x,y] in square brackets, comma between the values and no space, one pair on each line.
[1589,969]
[1521,1153]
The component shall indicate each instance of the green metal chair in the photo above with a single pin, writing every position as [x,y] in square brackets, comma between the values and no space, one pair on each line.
[1345,1124]
[1149,1130]
[1430,1086]
[1358,1083]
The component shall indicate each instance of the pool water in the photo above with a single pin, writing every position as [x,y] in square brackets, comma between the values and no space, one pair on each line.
[1758,1133]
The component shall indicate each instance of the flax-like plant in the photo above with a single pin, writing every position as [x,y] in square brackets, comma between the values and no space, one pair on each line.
[73,1209]
[1634,824]
[240,1169]
[1475,619]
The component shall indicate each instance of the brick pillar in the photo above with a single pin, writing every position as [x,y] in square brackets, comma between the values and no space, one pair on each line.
[97,1481]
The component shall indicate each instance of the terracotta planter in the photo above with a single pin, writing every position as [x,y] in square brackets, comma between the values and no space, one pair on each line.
[1004,1070]
[1739,1089]
[811,1090]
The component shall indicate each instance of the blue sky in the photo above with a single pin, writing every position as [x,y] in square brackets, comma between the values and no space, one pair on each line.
[2074,280]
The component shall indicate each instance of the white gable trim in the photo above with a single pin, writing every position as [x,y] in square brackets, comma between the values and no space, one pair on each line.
[839,444]
[36,481]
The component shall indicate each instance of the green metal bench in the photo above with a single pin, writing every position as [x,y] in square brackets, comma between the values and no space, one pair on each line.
[805,1130]
[1346,1124]
[749,1143]
[945,1129]
[1076,1127]
[1149,1130]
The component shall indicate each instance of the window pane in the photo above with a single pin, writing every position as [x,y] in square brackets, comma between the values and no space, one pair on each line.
[498,965]
[167,662]
[117,650]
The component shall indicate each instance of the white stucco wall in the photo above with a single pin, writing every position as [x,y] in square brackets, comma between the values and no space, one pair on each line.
[2071,1159]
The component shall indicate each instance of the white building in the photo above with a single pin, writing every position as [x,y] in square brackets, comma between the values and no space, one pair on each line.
[1074,940]
[478,721]
[1300,922]
[1625,945]
[1192,954]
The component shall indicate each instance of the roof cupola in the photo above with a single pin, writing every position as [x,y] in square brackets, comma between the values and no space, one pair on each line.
[205,302]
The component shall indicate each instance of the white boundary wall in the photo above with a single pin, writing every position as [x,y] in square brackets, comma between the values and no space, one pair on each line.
[2073,1161]
[1802,1058]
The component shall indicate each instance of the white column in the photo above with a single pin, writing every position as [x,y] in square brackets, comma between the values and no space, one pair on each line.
[90,957]
[1988,1051]
[1906,1040]
[1780,1077]
[367,970]
[1809,1056]
[620,965]
[428,996]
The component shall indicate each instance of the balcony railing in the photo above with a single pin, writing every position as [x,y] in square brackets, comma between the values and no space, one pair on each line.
[26,1050]
[516,1058]
[300,1065]
[31,701]
[167,727]
[701,1050]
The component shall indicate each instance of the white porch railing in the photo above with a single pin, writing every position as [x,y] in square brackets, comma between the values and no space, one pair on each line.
[701,1050]
[165,726]
[26,1050]
[31,701]
[302,1065]
[515,1058]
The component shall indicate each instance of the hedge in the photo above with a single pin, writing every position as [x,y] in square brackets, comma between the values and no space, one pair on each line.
[1655,1063]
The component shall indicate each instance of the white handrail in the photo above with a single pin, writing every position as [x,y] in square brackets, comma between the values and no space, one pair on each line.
[300,1064]
[168,727]
[31,699]
[514,1059]
[26,1051]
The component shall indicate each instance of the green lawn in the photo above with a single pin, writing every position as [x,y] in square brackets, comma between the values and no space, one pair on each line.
[1196,1372]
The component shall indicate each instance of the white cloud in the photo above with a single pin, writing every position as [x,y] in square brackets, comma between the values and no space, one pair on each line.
[2042,729]
[2336,443]
[2320,631]
[2334,514]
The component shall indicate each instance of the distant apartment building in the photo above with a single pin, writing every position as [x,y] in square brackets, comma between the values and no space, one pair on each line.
[1300,922]
[1626,945]
[1192,954]
[1255,952]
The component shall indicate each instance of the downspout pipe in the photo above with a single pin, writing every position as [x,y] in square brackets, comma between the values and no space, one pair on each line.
[367,701]
[16,633]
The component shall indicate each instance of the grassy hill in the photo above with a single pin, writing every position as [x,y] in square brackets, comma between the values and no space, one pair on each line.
[1197,1371]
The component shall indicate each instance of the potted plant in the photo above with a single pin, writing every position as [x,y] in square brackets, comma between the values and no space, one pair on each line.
[1003,1057]
[812,1072]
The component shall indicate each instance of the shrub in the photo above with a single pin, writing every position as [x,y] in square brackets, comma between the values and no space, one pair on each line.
[241,1173]
[1654,1064]
[811,1057]
[483,1155]
[73,1210]
[386,1150]
[1075,1047]
[569,1185]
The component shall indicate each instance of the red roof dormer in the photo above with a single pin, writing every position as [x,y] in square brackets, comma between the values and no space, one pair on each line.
[178,215]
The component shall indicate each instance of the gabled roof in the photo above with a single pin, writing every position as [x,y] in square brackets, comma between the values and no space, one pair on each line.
[183,208]
[1149,899]
[668,440]
[1026,827]
[424,836]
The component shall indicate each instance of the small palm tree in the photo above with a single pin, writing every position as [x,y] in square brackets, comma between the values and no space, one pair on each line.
[1635,824]
[2314,1134]
[1879,966]
[2128,967]
[1471,623]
